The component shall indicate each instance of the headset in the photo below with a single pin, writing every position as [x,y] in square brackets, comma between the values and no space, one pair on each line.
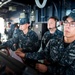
[56,21]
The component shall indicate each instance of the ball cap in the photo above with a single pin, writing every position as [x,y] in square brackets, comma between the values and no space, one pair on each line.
[72,14]
[24,20]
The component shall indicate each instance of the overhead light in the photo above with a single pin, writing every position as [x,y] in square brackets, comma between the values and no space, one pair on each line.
[22,15]
[12,8]
[0,3]
[23,10]
[5,2]
[32,16]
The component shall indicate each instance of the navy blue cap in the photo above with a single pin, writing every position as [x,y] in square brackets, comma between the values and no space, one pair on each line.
[24,20]
[72,15]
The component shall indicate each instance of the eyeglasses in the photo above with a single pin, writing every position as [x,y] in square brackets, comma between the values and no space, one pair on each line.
[72,24]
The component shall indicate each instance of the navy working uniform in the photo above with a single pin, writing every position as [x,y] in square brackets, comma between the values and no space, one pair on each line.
[11,30]
[53,31]
[28,42]
[16,30]
[61,58]
[52,53]
[47,36]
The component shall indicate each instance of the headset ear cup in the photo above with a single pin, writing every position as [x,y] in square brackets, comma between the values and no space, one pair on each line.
[57,22]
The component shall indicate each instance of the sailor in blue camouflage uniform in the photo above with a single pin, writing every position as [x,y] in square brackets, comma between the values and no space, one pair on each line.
[26,38]
[53,31]
[16,30]
[60,52]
